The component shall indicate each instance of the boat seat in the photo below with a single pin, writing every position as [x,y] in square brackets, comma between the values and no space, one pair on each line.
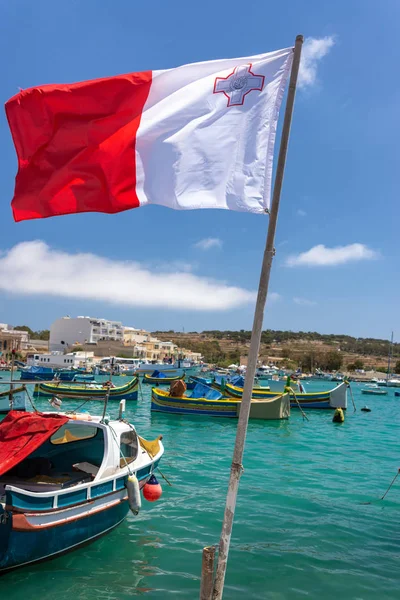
[86,468]
[44,483]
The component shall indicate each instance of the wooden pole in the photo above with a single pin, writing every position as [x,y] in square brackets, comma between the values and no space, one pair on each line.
[389,359]
[207,573]
[236,467]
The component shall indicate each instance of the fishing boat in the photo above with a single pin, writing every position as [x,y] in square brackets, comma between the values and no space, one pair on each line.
[159,378]
[204,380]
[12,399]
[177,368]
[34,373]
[393,382]
[89,391]
[372,391]
[65,480]
[206,401]
[334,398]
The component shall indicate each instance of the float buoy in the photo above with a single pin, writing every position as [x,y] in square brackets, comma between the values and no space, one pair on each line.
[134,499]
[338,416]
[366,409]
[152,490]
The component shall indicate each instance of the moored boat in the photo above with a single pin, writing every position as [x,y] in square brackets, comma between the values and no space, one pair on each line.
[209,402]
[159,378]
[33,373]
[329,399]
[67,483]
[374,391]
[88,391]
[12,399]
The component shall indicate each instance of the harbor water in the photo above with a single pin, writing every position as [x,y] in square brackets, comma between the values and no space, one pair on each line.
[308,524]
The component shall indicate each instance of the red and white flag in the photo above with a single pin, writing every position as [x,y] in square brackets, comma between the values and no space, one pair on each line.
[198,136]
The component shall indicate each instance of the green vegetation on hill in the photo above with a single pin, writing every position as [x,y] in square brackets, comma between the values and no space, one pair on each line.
[43,334]
[346,343]
[308,350]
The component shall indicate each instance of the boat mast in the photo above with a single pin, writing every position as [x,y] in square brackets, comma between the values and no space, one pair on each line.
[389,358]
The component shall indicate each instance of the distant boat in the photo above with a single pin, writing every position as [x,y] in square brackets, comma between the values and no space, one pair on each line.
[159,378]
[68,484]
[393,383]
[206,401]
[372,391]
[334,398]
[88,391]
[178,367]
[33,373]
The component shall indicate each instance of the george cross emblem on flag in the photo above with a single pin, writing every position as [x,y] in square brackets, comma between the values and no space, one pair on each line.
[238,84]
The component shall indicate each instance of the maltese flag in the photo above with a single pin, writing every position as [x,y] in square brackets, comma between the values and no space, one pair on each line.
[198,136]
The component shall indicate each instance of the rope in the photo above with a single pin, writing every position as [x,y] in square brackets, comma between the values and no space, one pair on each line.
[140,388]
[393,480]
[120,451]
[164,477]
[347,382]
[291,390]
[30,400]
[67,412]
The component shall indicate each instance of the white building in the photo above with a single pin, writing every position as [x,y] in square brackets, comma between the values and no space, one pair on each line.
[133,336]
[68,331]
[12,339]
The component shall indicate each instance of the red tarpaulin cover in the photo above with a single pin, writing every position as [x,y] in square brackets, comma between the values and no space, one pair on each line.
[21,433]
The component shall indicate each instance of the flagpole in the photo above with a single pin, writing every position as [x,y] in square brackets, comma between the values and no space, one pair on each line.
[236,467]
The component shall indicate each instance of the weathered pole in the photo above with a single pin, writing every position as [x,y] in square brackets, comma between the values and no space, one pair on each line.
[236,467]
[207,573]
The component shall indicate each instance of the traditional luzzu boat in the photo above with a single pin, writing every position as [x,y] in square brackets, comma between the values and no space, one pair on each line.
[159,378]
[334,398]
[89,391]
[65,480]
[206,401]
[12,399]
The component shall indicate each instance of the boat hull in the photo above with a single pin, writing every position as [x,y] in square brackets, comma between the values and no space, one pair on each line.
[124,392]
[161,380]
[36,544]
[18,403]
[331,399]
[274,408]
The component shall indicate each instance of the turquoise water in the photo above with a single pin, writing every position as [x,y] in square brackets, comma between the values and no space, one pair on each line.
[300,530]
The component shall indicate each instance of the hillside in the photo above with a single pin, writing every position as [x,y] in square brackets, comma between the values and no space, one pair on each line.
[292,349]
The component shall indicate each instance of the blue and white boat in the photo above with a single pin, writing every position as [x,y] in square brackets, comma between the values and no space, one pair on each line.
[65,480]
[12,399]
[33,373]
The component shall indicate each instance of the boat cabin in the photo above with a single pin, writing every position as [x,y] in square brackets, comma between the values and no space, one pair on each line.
[82,450]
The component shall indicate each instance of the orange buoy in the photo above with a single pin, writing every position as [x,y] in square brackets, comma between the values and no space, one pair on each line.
[152,490]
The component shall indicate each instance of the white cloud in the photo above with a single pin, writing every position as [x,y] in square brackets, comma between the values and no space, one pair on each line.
[301,213]
[33,268]
[313,51]
[304,301]
[273,297]
[208,243]
[321,256]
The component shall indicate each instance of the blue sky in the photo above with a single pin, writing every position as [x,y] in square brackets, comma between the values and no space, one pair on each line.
[341,187]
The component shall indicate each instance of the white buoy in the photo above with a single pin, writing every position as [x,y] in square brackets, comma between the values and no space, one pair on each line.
[122,405]
[134,498]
